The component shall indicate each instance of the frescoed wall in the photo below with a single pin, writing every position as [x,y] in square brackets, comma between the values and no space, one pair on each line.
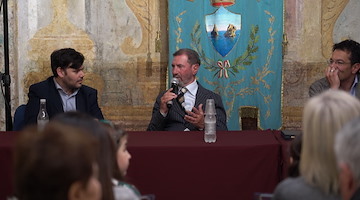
[125,43]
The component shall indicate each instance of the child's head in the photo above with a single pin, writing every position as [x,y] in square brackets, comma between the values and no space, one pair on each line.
[295,152]
[122,154]
[120,138]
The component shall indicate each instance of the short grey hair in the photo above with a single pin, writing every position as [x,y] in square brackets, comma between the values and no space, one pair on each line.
[347,146]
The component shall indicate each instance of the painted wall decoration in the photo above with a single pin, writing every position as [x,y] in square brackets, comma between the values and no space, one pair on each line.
[347,25]
[239,43]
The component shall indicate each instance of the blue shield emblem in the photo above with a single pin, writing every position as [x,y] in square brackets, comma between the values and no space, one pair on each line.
[223,29]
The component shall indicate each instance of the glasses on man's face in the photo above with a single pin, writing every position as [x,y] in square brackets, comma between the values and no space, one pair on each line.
[337,62]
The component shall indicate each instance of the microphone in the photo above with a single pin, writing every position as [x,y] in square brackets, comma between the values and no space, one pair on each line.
[174,85]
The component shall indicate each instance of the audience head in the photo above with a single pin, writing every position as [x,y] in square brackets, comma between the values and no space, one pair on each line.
[120,138]
[57,163]
[351,47]
[347,148]
[323,116]
[105,155]
[295,151]
[66,58]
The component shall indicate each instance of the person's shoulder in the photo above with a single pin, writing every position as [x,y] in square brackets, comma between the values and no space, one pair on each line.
[290,182]
[298,188]
[209,93]
[205,90]
[42,84]
[126,191]
[88,89]
[289,188]
[320,82]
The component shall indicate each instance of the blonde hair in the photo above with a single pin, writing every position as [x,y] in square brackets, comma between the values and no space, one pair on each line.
[323,117]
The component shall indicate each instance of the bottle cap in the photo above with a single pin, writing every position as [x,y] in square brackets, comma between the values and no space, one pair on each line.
[42,100]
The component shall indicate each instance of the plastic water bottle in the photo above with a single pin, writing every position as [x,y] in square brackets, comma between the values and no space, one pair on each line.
[210,128]
[210,121]
[43,116]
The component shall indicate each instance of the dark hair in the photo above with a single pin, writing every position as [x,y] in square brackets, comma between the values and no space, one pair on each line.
[193,56]
[48,162]
[66,58]
[116,133]
[105,155]
[350,46]
[295,152]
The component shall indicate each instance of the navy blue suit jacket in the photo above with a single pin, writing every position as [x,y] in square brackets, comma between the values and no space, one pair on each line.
[86,101]
[174,120]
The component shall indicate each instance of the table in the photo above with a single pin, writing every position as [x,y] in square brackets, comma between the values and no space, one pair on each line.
[7,140]
[180,165]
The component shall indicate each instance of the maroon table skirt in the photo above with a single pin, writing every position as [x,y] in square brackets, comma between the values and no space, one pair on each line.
[180,165]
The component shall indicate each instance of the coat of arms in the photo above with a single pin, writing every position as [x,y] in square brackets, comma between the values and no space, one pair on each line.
[223,29]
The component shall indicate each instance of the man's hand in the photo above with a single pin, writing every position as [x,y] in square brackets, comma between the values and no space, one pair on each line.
[196,117]
[168,96]
[333,77]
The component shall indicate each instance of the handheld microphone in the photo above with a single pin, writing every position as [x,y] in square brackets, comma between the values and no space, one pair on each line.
[174,86]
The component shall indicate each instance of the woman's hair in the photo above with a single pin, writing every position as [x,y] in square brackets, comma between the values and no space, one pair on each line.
[48,162]
[105,155]
[323,116]
[295,151]
[116,133]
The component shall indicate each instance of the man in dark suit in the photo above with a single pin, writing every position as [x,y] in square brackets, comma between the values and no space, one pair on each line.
[64,91]
[189,115]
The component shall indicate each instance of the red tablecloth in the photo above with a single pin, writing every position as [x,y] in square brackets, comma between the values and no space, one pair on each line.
[180,165]
[7,140]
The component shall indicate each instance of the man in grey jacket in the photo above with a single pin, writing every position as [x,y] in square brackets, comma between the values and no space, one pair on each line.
[342,71]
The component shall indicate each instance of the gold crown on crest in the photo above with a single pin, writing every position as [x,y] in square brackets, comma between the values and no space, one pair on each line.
[224,3]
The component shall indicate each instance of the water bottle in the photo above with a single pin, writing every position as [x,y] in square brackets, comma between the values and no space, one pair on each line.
[210,121]
[43,116]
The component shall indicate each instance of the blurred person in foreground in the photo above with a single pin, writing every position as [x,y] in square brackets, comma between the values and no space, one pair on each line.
[122,189]
[342,71]
[189,114]
[64,91]
[295,153]
[58,163]
[105,154]
[323,116]
[347,149]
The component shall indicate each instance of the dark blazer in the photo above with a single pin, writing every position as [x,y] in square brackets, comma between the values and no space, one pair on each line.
[86,101]
[174,120]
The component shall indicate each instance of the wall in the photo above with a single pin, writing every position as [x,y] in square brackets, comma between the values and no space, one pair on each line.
[125,45]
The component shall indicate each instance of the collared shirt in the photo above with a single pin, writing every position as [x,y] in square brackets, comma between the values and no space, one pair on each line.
[190,95]
[68,101]
[352,89]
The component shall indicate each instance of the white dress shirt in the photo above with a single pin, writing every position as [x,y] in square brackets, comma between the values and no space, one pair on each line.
[190,96]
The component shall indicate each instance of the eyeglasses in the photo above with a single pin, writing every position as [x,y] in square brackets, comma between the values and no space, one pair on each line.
[337,62]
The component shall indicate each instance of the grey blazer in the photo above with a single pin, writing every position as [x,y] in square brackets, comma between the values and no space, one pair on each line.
[174,120]
[323,84]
